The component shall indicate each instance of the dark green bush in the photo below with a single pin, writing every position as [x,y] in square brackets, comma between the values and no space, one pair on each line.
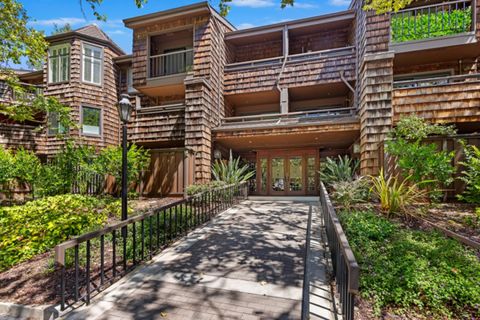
[405,269]
[471,175]
[407,27]
[39,225]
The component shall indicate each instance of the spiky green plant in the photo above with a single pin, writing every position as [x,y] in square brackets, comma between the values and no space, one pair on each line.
[395,195]
[231,171]
[338,169]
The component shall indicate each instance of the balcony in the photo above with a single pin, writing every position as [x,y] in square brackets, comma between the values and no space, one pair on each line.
[437,25]
[304,69]
[172,63]
[157,124]
[287,119]
[442,99]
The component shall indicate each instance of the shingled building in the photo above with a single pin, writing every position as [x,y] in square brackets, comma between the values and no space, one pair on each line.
[281,96]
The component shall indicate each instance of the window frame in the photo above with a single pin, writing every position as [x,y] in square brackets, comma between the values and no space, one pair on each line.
[100,125]
[82,62]
[49,64]
[58,130]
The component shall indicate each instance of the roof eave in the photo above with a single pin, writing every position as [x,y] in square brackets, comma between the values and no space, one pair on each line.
[74,34]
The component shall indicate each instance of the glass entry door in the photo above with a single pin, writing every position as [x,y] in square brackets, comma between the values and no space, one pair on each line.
[277,175]
[295,176]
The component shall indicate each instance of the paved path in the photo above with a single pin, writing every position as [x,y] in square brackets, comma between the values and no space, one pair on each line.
[246,264]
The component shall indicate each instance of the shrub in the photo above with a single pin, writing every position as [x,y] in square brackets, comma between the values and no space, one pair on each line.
[409,270]
[339,169]
[109,161]
[199,188]
[231,172]
[39,225]
[26,167]
[471,175]
[421,161]
[347,193]
[430,25]
[6,166]
[394,196]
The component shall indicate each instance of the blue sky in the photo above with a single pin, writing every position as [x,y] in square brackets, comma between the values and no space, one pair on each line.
[244,13]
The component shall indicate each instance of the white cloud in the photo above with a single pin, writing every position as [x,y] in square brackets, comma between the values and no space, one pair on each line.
[340,3]
[304,5]
[245,25]
[253,3]
[58,21]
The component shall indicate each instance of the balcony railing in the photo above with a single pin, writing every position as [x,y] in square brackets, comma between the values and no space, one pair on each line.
[437,20]
[437,81]
[292,118]
[294,58]
[170,63]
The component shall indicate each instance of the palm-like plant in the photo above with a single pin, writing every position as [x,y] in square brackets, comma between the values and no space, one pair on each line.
[395,195]
[338,169]
[231,172]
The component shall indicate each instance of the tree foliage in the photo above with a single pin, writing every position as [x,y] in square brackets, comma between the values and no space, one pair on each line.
[385,6]
[61,29]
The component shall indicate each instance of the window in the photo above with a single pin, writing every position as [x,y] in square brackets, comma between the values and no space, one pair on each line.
[130,87]
[54,125]
[91,121]
[92,64]
[59,63]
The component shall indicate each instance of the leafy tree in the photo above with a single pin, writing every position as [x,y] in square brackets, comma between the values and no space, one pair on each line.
[6,166]
[384,6]
[58,29]
[26,167]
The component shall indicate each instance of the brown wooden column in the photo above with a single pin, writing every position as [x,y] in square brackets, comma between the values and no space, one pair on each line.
[375,107]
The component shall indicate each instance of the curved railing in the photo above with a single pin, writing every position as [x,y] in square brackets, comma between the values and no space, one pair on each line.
[345,267]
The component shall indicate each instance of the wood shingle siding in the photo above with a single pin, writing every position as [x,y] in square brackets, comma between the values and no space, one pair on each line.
[19,135]
[155,127]
[296,74]
[455,102]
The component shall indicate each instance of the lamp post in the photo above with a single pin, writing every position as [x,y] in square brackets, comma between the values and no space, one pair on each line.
[124,110]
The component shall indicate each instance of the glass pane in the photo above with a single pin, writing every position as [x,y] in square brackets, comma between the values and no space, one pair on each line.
[87,69]
[278,174]
[91,121]
[296,174]
[52,123]
[97,53]
[96,71]
[311,173]
[54,69]
[64,69]
[87,51]
[263,173]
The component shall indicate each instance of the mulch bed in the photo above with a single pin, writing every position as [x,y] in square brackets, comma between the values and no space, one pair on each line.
[35,282]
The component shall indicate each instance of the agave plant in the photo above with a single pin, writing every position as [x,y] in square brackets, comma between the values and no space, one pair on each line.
[231,172]
[338,169]
[395,195]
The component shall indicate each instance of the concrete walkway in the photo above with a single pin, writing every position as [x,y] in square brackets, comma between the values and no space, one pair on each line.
[246,264]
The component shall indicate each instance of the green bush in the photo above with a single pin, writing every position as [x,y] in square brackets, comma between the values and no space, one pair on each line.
[405,270]
[471,175]
[348,193]
[26,167]
[109,161]
[419,160]
[406,27]
[338,169]
[39,225]
[199,188]
[7,171]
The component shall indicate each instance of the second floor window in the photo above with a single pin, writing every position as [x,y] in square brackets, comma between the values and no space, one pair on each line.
[54,125]
[59,63]
[92,64]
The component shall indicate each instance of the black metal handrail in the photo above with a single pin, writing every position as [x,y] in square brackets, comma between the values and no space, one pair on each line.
[345,267]
[435,20]
[92,261]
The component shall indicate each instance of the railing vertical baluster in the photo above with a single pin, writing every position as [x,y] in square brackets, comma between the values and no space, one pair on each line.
[175,221]
[170,224]
[114,253]
[62,286]
[124,241]
[164,226]
[76,273]
[143,239]
[134,243]
[158,230]
[150,240]
[88,273]
[102,260]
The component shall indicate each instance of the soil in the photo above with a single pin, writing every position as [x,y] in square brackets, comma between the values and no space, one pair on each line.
[36,282]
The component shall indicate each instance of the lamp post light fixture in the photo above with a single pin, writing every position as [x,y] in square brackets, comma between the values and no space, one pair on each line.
[124,111]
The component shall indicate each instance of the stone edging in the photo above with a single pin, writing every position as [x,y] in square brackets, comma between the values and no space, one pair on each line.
[20,311]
